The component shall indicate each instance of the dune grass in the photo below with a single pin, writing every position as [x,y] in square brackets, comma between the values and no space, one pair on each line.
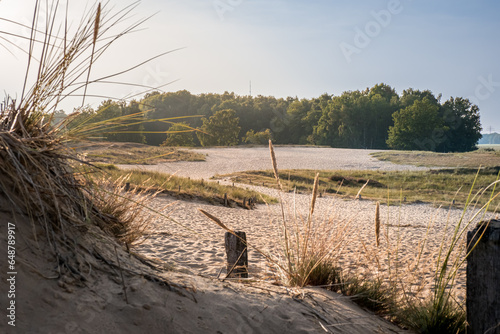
[36,167]
[437,187]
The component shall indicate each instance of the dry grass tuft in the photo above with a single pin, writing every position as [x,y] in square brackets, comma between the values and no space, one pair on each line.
[125,217]
[310,248]
[36,175]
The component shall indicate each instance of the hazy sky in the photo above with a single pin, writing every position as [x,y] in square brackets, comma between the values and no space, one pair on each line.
[301,48]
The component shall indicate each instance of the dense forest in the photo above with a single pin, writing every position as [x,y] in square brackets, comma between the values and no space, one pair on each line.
[375,118]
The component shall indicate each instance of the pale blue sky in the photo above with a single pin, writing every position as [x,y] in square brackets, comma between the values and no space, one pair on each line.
[307,48]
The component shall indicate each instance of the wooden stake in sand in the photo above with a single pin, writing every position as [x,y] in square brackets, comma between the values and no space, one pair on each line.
[483,275]
[225,199]
[237,254]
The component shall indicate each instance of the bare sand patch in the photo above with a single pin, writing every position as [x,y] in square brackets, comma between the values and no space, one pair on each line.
[237,159]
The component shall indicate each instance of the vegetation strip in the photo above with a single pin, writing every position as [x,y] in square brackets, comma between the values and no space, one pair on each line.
[185,188]
[439,187]
[483,157]
[132,153]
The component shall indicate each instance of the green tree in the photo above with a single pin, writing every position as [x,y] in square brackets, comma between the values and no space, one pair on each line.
[58,116]
[179,134]
[295,131]
[417,127]
[120,122]
[161,108]
[259,138]
[221,129]
[411,95]
[330,129]
[357,119]
[385,91]
[132,124]
[464,127]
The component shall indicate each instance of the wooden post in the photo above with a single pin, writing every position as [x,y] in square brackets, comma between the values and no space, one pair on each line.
[179,188]
[483,277]
[225,199]
[237,254]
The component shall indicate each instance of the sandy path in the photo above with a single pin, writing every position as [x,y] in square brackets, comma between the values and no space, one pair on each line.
[229,160]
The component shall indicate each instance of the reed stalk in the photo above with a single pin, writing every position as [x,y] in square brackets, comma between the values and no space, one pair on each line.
[377,224]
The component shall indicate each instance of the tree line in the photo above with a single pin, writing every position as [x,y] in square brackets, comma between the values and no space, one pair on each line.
[375,118]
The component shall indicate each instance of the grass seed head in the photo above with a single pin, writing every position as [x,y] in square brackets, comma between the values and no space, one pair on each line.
[275,164]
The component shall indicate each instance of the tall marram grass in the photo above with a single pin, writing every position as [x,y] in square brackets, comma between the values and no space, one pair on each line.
[310,246]
[37,170]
